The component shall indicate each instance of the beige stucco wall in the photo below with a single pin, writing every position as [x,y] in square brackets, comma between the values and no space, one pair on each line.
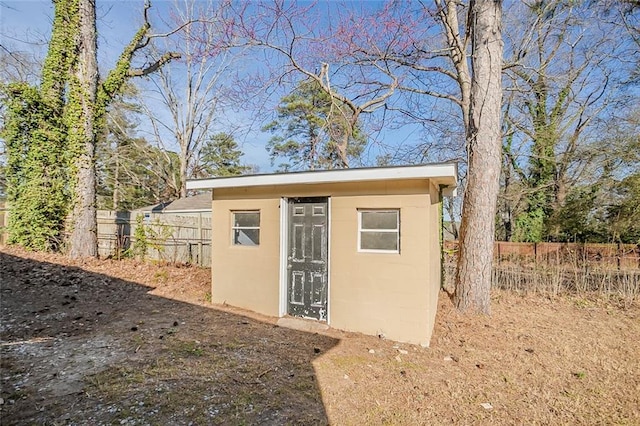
[373,293]
[378,293]
[247,277]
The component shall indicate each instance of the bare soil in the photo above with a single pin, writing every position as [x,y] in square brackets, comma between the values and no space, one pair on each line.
[122,342]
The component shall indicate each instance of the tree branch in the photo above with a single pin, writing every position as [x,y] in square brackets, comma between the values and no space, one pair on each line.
[167,57]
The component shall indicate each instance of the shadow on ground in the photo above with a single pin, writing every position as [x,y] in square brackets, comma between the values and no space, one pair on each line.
[79,347]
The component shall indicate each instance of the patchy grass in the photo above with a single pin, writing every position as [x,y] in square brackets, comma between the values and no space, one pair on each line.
[139,346]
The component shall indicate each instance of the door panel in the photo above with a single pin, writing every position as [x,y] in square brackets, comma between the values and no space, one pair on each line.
[318,286]
[297,247]
[307,257]
[318,244]
[297,288]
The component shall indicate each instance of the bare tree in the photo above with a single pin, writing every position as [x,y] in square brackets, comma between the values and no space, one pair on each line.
[304,51]
[17,65]
[564,68]
[185,98]
[131,172]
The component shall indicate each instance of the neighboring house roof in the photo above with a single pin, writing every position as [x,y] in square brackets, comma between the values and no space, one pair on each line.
[154,208]
[200,202]
[442,173]
[197,203]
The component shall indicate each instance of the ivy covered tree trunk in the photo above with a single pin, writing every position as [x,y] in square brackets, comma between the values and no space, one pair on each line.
[35,139]
[83,241]
[36,178]
[473,278]
[50,133]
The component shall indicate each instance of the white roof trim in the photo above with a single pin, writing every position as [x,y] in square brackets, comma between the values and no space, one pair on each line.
[445,173]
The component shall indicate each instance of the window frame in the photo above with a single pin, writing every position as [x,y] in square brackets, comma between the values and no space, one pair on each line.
[234,228]
[365,230]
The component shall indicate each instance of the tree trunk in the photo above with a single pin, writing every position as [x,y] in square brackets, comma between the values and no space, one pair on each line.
[458,46]
[483,134]
[184,162]
[116,179]
[84,240]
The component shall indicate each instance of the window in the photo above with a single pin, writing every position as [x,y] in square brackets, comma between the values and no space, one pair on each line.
[246,228]
[379,230]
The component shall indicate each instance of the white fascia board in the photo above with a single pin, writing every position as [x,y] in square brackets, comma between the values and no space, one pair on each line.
[445,172]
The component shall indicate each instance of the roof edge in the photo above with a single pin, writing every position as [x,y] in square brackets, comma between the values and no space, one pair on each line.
[448,172]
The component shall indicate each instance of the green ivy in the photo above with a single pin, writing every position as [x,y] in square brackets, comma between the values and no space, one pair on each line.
[118,76]
[36,178]
[35,134]
[44,134]
[530,226]
[149,236]
[140,241]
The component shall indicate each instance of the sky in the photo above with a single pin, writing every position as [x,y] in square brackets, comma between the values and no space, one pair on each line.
[30,21]
[25,25]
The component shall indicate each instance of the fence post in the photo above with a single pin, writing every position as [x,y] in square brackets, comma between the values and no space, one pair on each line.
[200,253]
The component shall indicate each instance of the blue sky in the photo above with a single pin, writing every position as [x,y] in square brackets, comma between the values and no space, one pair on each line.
[30,21]
[25,25]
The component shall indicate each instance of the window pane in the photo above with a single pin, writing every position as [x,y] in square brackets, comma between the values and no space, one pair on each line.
[246,219]
[379,241]
[246,237]
[379,220]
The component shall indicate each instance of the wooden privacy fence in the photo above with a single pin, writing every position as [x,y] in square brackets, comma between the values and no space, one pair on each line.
[3,223]
[175,238]
[619,256]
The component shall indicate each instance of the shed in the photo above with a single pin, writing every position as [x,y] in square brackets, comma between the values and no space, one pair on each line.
[358,249]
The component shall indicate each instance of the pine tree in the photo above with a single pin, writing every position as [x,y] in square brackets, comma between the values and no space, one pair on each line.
[308,129]
[219,156]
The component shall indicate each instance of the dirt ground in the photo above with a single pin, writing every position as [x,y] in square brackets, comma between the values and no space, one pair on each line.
[121,342]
